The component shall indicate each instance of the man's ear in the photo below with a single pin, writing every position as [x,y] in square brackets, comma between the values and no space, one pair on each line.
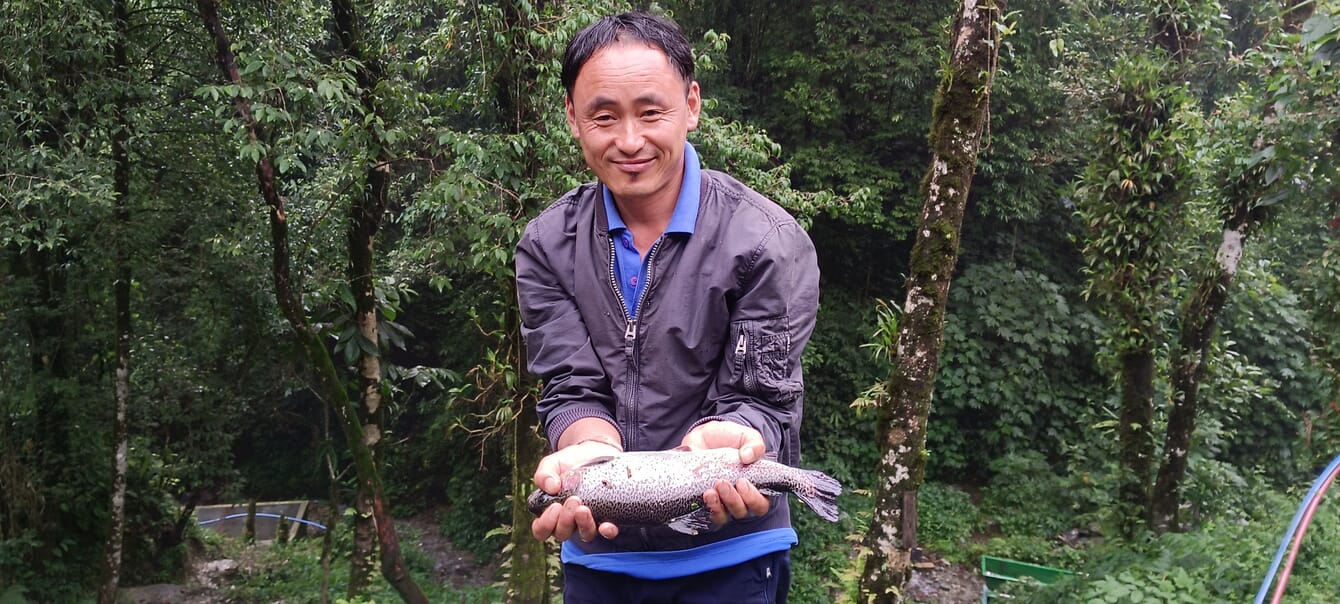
[571,113]
[695,101]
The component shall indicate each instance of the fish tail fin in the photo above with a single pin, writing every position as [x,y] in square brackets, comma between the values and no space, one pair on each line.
[820,493]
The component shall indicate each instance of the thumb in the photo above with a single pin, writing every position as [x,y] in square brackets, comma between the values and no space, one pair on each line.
[751,451]
[546,476]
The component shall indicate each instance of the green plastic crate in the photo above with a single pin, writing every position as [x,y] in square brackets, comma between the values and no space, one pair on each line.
[1002,571]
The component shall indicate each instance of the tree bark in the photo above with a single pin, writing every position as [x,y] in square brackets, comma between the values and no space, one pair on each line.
[516,94]
[528,579]
[1134,435]
[328,381]
[365,219]
[1199,319]
[1199,322]
[959,118]
[111,565]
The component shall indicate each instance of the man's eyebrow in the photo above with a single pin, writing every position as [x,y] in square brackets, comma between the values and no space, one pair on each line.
[601,102]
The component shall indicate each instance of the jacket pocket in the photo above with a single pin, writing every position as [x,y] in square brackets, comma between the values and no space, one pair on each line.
[760,359]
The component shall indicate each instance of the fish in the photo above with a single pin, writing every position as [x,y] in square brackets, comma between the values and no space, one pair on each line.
[666,487]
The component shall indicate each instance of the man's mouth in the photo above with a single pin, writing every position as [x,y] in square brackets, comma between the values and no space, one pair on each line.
[633,166]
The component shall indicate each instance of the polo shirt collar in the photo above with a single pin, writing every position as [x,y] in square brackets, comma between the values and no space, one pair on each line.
[685,216]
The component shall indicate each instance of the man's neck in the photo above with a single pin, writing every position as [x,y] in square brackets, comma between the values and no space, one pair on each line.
[648,218]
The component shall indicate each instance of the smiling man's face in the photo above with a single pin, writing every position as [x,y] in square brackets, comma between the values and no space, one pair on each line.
[631,112]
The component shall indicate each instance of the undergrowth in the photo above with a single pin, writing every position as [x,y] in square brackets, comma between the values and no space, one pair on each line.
[291,573]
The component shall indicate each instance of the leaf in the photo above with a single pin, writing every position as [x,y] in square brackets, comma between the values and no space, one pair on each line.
[1318,26]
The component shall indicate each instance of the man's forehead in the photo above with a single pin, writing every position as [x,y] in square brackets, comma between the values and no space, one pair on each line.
[624,56]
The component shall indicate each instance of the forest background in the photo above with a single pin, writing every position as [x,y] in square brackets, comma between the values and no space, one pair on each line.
[293,279]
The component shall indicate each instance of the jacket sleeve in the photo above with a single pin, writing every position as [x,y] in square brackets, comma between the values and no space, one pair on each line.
[558,345]
[759,382]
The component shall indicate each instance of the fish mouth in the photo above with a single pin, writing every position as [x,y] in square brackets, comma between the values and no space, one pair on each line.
[539,500]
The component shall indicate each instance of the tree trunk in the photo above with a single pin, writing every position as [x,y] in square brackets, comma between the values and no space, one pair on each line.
[516,94]
[1198,326]
[528,580]
[959,118]
[1188,370]
[328,380]
[365,218]
[111,565]
[1134,436]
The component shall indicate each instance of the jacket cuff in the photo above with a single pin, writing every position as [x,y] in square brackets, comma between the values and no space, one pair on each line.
[725,418]
[560,421]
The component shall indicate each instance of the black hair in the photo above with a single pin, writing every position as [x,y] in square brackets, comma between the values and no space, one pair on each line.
[636,26]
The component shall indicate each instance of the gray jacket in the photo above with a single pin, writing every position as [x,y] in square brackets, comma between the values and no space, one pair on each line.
[719,333]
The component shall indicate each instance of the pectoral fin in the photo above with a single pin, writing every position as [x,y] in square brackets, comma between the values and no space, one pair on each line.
[693,522]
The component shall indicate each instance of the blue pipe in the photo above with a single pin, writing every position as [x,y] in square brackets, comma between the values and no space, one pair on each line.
[262,515]
[1293,526]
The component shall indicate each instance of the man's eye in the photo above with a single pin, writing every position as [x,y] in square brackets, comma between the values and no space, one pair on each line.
[652,113]
[603,118]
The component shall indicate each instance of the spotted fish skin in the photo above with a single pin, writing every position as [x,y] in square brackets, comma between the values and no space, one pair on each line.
[666,487]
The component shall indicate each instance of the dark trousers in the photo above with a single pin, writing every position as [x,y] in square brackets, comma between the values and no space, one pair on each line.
[763,580]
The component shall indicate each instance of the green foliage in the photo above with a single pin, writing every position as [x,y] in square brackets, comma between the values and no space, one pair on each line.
[841,87]
[948,521]
[1016,371]
[836,439]
[822,564]
[1223,561]
[1131,197]
[292,573]
[1030,499]
[821,97]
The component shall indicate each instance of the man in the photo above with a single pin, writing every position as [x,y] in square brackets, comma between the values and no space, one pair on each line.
[664,305]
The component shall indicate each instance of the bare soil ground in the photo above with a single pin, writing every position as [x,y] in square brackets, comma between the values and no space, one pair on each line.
[938,581]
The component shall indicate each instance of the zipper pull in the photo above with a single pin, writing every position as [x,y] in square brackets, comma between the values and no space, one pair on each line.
[742,345]
[631,333]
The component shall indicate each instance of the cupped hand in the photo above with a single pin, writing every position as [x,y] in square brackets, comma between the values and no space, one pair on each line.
[725,500]
[562,520]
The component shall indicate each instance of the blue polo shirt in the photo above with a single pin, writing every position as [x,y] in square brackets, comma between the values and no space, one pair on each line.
[630,270]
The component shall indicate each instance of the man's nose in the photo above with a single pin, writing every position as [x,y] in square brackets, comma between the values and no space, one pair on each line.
[630,138]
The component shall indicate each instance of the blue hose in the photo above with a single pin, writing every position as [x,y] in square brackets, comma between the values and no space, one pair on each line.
[1293,526]
[262,515]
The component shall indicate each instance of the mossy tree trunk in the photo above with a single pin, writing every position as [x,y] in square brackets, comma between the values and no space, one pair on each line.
[958,120]
[528,581]
[517,94]
[111,565]
[1240,191]
[366,211]
[1132,198]
[328,381]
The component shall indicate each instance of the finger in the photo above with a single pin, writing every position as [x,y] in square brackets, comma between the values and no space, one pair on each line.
[586,524]
[713,502]
[731,500]
[757,502]
[543,525]
[752,447]
[567,522]
[608,530]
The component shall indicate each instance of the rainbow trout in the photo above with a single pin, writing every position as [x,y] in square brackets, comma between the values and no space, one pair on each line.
[666,487]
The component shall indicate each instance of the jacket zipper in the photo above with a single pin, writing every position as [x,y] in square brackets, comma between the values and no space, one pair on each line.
[741,350]
[630,330]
